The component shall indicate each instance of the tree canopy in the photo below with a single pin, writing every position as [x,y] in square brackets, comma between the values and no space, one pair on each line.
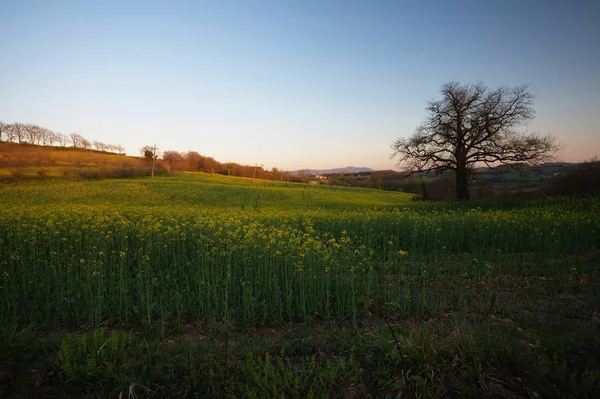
[471,125]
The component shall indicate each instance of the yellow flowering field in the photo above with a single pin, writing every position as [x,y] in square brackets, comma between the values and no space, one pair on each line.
[209,247]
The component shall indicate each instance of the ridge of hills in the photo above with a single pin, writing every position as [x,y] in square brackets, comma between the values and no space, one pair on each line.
[346,169]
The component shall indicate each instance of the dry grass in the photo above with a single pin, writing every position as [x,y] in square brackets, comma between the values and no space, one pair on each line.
[26,161]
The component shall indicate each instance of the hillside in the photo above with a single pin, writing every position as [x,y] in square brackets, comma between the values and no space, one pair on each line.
[23,160]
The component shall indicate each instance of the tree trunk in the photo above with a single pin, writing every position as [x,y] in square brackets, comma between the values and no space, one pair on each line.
[462,183]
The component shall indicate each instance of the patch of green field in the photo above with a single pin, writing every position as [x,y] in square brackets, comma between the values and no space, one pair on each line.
[221,248]
[200,190]
[233,255]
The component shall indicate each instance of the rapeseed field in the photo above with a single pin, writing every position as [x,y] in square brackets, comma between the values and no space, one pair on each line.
[209,247]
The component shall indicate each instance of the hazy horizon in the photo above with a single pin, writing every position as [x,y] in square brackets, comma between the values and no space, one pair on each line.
[292,85]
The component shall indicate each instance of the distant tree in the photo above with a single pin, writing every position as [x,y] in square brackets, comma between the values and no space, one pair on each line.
[148,153]
[76,140]
[48,136]
[192,161]
[62,139]
[32,132]
[173,159]
[119,148]
[374,180]
[208,165]
[100,146]
[303,175]
[471,125]
[276,174]
[9,132]
[227,169]
[18,132]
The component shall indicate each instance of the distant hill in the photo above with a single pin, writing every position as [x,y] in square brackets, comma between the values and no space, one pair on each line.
[347,169]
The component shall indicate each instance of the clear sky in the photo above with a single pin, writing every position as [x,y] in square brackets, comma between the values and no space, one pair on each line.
[290,84]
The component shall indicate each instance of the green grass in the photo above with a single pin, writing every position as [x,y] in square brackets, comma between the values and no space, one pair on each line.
[156,256]
[205,190]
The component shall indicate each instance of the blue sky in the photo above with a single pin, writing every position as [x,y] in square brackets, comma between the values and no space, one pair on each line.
[290,84]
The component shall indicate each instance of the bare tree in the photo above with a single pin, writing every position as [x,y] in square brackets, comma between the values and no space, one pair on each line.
[56,138]
[99,145]
[47,136]
[113,148]
[18,132]
[473,125]
[76,140]
[62,139]
[9,132]
[32,133]
[173,158]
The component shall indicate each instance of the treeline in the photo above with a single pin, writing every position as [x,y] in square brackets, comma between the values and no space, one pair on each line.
[33,134]
[192,161]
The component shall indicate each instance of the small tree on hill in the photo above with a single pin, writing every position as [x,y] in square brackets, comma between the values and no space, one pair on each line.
[62,138]
[17,131]
[471,125]
[149,153]
[77,140]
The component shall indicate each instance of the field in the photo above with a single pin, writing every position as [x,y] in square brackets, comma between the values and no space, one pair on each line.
[194,284]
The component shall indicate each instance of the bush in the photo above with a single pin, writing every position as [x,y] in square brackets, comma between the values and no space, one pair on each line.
[17,173]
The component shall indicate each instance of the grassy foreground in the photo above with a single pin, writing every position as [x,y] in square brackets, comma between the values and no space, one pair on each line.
[213,286]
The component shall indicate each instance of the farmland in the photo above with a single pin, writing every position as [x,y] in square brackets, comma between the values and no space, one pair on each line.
[373,277]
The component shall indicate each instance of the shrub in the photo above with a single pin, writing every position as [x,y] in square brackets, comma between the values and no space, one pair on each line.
[17,173]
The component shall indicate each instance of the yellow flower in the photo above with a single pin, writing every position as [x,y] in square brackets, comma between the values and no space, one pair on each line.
[402,253]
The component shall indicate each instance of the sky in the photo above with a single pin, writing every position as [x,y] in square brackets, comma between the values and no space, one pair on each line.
[291,84]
